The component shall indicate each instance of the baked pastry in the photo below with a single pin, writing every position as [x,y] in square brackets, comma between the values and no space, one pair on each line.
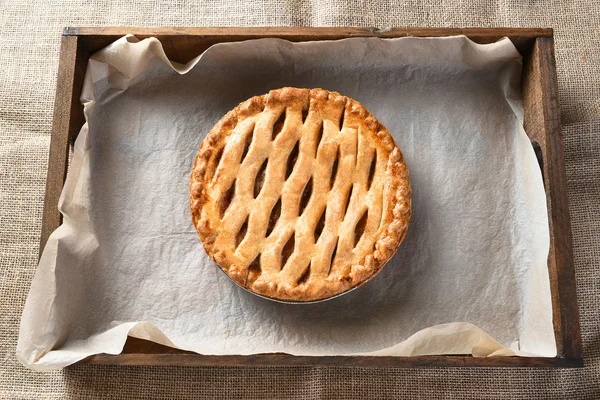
[300,194]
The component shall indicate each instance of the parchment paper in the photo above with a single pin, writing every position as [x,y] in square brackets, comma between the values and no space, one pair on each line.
[470,278]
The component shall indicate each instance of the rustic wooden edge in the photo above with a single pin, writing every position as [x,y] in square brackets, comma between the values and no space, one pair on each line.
[192,41]
[307,31]
[66,123]
[286,360]
[77,45]
[540,95]
[150,353]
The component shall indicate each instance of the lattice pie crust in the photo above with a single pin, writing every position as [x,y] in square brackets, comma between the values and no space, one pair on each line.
[300,194]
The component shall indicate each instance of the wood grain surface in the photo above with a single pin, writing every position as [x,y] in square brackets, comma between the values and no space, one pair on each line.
[66,123]
[542,123]
[183,44]
[143,352]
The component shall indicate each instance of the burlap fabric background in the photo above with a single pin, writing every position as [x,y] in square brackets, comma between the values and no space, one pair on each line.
[29,48]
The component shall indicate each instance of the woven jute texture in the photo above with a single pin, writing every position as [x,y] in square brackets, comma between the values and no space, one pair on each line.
[29,48]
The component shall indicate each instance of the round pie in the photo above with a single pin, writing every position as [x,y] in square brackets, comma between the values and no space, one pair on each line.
[300,194]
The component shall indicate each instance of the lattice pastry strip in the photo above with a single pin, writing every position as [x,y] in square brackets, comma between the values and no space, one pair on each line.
[300,194]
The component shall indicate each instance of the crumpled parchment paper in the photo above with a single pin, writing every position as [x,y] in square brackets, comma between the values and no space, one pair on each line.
[470,278]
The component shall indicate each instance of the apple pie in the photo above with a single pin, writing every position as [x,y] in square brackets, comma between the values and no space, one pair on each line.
[300,194]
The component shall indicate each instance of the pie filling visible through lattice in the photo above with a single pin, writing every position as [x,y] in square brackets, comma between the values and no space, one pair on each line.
[300,194]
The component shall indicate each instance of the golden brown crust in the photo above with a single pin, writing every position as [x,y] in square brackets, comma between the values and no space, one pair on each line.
[269,209]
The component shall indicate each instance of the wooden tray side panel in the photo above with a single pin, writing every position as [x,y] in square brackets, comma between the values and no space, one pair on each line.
[286,360]
[542,124]
[143,352]
[67,121]
[183,44]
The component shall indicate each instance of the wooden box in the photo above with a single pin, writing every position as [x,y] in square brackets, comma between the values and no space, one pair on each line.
[542,123]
